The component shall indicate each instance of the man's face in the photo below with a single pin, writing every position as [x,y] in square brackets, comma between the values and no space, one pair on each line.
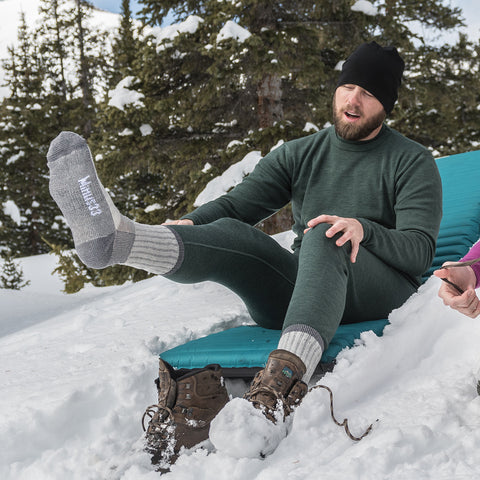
[357,114]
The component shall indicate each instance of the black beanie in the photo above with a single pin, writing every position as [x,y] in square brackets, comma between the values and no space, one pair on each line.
[376,69]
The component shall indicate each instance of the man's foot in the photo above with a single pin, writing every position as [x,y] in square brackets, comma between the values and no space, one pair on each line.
[102,235]
[188,400]
[279,387]
[254,426]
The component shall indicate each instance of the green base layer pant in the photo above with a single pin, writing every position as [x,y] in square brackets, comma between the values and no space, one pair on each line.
[317,286]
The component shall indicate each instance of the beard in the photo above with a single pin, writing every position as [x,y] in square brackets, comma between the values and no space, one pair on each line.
[358,130]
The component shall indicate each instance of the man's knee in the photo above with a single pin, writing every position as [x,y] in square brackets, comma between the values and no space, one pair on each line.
[317,242]
[229,222]
[230,227]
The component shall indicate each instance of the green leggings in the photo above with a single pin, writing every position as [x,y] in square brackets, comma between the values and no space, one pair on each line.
[317,286]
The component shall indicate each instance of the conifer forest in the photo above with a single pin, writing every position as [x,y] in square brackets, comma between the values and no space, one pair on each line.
[205,99]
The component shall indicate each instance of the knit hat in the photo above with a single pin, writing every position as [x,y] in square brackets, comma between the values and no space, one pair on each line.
[376,69]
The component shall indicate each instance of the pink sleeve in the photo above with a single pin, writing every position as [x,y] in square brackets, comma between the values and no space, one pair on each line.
[474,252]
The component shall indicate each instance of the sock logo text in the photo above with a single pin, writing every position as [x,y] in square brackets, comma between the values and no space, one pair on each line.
[88,197]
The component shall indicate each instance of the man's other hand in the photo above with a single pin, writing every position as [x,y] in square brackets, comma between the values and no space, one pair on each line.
[185,221]
[352,231]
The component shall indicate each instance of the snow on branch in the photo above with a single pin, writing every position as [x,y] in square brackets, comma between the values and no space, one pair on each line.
[10,209]
[233,30]
[365,7]
[121,96]
[165,35]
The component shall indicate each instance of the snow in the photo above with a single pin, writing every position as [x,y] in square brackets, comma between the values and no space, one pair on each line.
[206,167]
[14,158]
[260,437]
[125,132]
[231,177]
[152,208]
[365,7]
[77,373]
[166,35]
[122,96]
[233,30]
[146,129]
[309,127]
[10,208]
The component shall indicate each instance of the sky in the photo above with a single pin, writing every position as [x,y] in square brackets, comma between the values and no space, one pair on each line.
[115,5]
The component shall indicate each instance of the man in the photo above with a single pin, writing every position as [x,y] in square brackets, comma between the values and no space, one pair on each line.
[366,203]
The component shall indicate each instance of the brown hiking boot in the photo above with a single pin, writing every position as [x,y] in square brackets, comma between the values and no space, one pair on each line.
[278,387]
[188,400]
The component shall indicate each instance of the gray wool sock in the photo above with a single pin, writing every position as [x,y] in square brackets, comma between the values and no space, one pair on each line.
[101,234]
[156,249]
[306,343]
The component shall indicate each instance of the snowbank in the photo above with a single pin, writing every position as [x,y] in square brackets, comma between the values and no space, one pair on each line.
[77,374]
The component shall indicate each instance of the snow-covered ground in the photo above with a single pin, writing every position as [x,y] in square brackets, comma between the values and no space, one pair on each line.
[77,371]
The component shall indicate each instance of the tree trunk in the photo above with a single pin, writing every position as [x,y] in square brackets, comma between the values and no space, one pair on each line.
[269,94]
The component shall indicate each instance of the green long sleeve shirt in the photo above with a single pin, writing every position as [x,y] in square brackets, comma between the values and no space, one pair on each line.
[390,184]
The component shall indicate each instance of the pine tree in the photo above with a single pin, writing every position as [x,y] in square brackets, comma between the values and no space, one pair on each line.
[65,39]
[238,76]
[213,97]
[125,46]
[121,143]
[202,94]
[53,32]
[44,100]
[439,97]
[12,277]
[122,157]
[440,109]
[24,137]
[88,51]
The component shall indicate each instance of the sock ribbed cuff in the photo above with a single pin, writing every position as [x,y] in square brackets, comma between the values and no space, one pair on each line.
[155,249]
[306,343]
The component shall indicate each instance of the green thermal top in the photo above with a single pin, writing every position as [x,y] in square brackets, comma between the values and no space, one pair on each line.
[390,184]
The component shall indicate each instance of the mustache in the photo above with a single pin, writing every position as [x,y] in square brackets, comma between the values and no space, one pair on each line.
[350,108]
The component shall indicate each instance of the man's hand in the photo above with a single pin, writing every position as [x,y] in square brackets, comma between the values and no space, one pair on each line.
[186,221]
[467,302]
[352,231]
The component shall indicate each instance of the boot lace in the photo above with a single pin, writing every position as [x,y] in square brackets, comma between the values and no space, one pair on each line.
[159,415]
[277,398]
[343,424]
